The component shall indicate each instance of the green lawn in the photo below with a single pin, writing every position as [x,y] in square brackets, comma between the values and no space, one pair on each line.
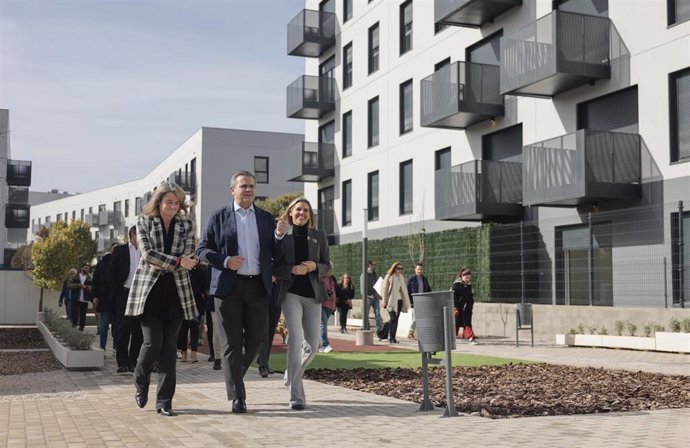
[371,360]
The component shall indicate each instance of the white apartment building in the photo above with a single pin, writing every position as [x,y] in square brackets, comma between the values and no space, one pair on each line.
[15,179]
[202,166]
[569,116]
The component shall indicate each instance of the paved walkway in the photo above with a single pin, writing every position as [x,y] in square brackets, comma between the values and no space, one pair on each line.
[103,413]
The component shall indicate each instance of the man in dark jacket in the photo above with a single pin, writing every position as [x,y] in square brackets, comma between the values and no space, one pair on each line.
[101,295]
[373,297]
[81,295]
[415,284]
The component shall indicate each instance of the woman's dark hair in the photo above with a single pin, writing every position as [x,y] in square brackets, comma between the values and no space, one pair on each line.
[464,271]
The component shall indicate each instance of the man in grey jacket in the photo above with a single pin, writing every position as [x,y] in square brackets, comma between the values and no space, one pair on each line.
[373,297]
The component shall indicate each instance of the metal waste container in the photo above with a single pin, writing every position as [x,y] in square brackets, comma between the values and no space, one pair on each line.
[428,308]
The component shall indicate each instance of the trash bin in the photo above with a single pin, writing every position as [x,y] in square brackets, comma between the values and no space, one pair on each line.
[524,312]
[428,308]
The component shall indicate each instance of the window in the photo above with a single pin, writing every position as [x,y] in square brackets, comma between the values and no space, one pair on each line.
[347,66]
[589,7]
[406,107]
[261,169]
[373,122]
[679,104]
[442,159]
[74,215]
[439,65]
[405,27]
[101,208]
[326,212]
[81,215]
[90,210]
[126,208]
[374,48]
[117,207]
[486,51]
[59,217]
[347,202]
[504,145]
[373,196]
[680,232]
[678,11]
[347,10]
[406,187]
[438,27]
[347,134]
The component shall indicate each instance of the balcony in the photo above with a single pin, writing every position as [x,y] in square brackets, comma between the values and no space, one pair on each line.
[310,97]
[312,163]
[18,195]
[470,13]
[479,190]
[556,53]
[582,167]
[185,179]
[311,33]
[19,173]
[17,216]
[460,95]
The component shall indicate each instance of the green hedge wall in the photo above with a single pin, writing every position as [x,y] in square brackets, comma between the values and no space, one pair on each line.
[446,252]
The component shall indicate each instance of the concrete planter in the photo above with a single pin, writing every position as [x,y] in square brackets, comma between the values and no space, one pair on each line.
[631,342]
[565,339]
[673,342]
[587,340]
[72,359]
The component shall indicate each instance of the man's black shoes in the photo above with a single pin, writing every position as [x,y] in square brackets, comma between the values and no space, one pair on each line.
[122,369]
[142,397]
[239,406]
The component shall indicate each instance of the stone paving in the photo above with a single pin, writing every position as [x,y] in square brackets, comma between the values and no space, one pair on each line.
[103,413]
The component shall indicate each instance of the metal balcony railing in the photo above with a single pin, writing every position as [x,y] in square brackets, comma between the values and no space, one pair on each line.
[185,179]
[17,216]
[581,167]
[312,162]
[19,173]
[558,52]
[311,97]
[470,13]
[479,190]
[311,33]
[461,94]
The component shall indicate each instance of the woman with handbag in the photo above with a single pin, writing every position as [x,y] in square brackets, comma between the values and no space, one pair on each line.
[396,299]
[463,298]
[344,292]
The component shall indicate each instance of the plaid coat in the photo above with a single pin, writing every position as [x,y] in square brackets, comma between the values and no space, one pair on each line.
[154,262]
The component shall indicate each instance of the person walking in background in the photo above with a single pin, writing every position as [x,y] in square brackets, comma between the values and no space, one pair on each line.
[239,242]
[101,295]
[345,292]
[66,294]
[372,296]
[303,262]
[395,298]
[327,309]
[80,285]
[189,331]
[415,284]
[274,310]
[161,295]
[127,330]
[463,299]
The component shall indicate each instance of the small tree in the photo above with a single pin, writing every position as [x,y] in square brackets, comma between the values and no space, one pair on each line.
[22,258]
[56,251]
[279,204]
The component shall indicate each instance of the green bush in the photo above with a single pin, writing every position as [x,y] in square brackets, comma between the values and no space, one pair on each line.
[647,329]
[685,325]
[619,327]
[674,325]
[632,328]
[593,330]
[603,330]
[66,333]
[658,328]
[581,329]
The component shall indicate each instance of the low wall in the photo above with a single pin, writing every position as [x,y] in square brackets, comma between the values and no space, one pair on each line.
[19,298]
[498,319]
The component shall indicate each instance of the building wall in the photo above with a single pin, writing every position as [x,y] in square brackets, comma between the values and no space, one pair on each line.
[4,155]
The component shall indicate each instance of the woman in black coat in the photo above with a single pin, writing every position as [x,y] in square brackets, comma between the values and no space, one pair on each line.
[345,292]
[463,298]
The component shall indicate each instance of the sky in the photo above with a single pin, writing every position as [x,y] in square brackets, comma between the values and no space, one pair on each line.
[101,91]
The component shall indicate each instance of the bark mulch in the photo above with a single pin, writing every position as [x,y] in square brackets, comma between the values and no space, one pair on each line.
[20,362]
[19,338]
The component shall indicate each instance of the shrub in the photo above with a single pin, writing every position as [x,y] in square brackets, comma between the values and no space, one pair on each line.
[674,325]
[66,333]
[593,330]
[603,330]
[685,325]
[632,328]
[619,327]
[573,331]
[647,329]
[658,328]
[581,329]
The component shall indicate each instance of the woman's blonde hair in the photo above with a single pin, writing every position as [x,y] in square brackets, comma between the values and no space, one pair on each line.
[311,223]
[391,270]
[151,207]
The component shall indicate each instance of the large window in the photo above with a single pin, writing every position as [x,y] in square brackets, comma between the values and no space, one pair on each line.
[261,169]
[442,159]
[405,27]
[347,202]
[347,134]
[373,122]
[347,66]
[406,187]
[680,232]
[679,104]
[126,208]
[373,196]
[678,11]
[406,106]
[347,10]
[374,48]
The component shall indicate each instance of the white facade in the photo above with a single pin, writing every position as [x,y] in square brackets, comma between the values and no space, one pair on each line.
[655,50]
[212,154]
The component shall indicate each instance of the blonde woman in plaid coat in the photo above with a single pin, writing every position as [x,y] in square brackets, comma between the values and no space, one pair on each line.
[161,294]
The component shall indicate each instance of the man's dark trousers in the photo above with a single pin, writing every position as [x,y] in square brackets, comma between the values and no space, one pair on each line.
[129,336]
[274,310]
[243,316]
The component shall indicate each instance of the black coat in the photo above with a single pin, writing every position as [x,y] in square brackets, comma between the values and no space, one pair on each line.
[100,287]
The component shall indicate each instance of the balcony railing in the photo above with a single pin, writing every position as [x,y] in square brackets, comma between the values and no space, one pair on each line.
[19,173]
[558,52]
[470,13]
[185,179]
[17,216]
[311,97]
[311,33]
[479,190]
[18,195]
[312,162]
[582,167]
[461,94]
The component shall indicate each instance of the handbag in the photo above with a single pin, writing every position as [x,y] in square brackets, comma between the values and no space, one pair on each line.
[378,286]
